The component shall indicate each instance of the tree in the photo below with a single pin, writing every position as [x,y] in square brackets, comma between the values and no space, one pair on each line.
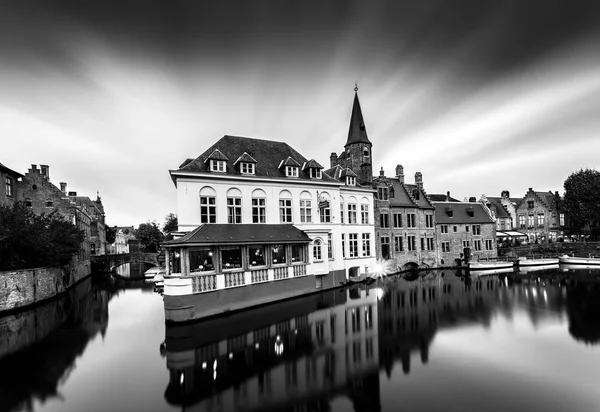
[111,234]
[582,199]
[171,225]
[150,236]
[28,240]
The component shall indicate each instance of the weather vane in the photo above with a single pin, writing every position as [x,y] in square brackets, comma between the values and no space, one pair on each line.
[355,86]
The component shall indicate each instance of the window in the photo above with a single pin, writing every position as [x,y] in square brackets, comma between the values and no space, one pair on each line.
[231,257]
[247,168]
[477,245]
[385,240]
[416,194]
[352,214]
[329,246]
[466,243]
[278,254]
[285,210]
[444,228]
[430,245]
[530,221]
[384,220]
[428,220]
[256,255]
[305,210]
[455,229]
[217,165]
[522,221]
[28,203]
[489,245]
[201,259]
[382,193]
[397,220]
[353,241]
[477,230]
[366,154]
[530,204]
[342,212]
[343,245]
[234,210]
[398,246]
[315,173]
[291,171]
[208,209]
[366,244]
[350,180]
[364,214]
[9,186]
[325,213]
[49,203]
[412,243]
[422,243]
[259,211]
[297,253]
[467,228]
[317,252]
[445,246]
[562,219]
[411,220]
[540,218]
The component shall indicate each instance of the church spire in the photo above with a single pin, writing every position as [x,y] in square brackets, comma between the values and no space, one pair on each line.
[357,132]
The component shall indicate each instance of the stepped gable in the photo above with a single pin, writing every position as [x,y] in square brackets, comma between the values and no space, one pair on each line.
[268,155]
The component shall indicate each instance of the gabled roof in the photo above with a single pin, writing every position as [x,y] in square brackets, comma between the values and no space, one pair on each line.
[357,132]
[442,198]
[334,172]
[219,234]
[499,210]
[289,161]
[312,163]
[347,172]
[459,213]
[216,155]
[245,157]
[267,153]
[10,171]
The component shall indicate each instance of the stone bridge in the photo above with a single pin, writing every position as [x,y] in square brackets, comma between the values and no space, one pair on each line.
[107,263]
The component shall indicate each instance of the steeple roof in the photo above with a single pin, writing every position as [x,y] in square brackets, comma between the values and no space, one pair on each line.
[357,132]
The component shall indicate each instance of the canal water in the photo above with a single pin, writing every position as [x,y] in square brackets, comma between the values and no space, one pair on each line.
[434,341]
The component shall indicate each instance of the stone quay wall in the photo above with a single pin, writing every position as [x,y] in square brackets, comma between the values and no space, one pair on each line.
[21,288]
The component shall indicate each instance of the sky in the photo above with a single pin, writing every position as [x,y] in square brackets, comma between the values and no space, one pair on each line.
[479,96]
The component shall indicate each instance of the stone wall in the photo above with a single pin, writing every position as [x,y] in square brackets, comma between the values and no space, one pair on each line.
[25,287]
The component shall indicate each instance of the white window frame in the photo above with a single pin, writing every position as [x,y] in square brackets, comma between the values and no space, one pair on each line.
[234,210]
[350,181]
[259,210]
[209,214]
[247,168]
[217,165]
[366,244]
[291,171]
[305,211]
[285,211]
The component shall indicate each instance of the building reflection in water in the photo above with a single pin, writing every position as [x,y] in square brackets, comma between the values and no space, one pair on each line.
[38,347]
[295,358]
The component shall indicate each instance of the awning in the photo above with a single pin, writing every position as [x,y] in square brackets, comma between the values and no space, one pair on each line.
[510,233]
[220,234]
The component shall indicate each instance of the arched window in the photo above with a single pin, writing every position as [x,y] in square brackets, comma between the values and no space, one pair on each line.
[342,211]
[259,207]
[317,250]
[325,207]
[352,210]
[208,205]
[285,207]
[364,211]
[305,207]
[234,206]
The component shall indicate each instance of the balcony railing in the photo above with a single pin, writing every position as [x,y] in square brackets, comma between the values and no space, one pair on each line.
[204,283]
[261,275]
[299,270]
[280,273]
[234,279]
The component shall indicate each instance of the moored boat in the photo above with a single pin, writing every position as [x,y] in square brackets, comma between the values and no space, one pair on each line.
[537,261]
[486,272]
[537,268]
[153,271]
[490,264]
[579,260]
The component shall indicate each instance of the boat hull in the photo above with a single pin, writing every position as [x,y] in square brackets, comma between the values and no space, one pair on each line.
[490,265]
[574,260]
[538,262]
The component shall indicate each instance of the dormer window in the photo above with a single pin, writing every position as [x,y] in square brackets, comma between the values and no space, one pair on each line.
[291,171]
[315,173]
[217,165]
[247,168]
[350,180]
[313,168]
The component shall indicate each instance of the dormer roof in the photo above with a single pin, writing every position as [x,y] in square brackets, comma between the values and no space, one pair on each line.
[289,161]
[246,158]
[312,163]
[216,155]
[347,172]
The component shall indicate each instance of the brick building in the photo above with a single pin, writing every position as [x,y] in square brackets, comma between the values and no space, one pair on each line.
[540,216]
[8,185]
[38,193]
[465,230]
[404,222]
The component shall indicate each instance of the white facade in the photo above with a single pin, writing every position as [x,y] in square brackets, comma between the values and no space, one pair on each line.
[358,237]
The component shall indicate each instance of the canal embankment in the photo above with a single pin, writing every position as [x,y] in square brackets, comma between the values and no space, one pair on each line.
[552,249]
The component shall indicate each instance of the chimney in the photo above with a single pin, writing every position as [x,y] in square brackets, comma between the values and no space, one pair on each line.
[333,160]
[419,180]
[33,169]
[45,171]
[505,194]
[381,172]
[448,196]
[472,199]
[400,173]
[72,193]
[63,187]
[531,189]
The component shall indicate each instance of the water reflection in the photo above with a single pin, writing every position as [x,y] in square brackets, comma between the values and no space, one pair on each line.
[308,352]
